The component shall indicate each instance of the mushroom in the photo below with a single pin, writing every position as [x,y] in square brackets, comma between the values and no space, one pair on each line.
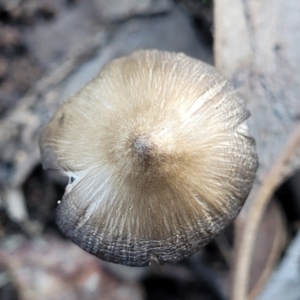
[158,155]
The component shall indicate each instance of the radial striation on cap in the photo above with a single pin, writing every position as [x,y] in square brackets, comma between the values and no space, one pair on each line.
[160,157]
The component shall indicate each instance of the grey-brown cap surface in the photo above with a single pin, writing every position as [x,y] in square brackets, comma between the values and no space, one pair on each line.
[159,155]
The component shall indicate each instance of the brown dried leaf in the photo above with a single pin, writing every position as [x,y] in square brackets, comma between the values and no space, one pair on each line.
[269,242]
[257,47]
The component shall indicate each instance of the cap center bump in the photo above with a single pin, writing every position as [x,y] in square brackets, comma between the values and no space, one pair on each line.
[143,147]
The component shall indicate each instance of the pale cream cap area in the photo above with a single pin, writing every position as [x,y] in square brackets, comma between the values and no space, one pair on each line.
[159,157]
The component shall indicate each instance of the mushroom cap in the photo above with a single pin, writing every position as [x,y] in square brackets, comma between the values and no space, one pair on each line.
[158,155]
